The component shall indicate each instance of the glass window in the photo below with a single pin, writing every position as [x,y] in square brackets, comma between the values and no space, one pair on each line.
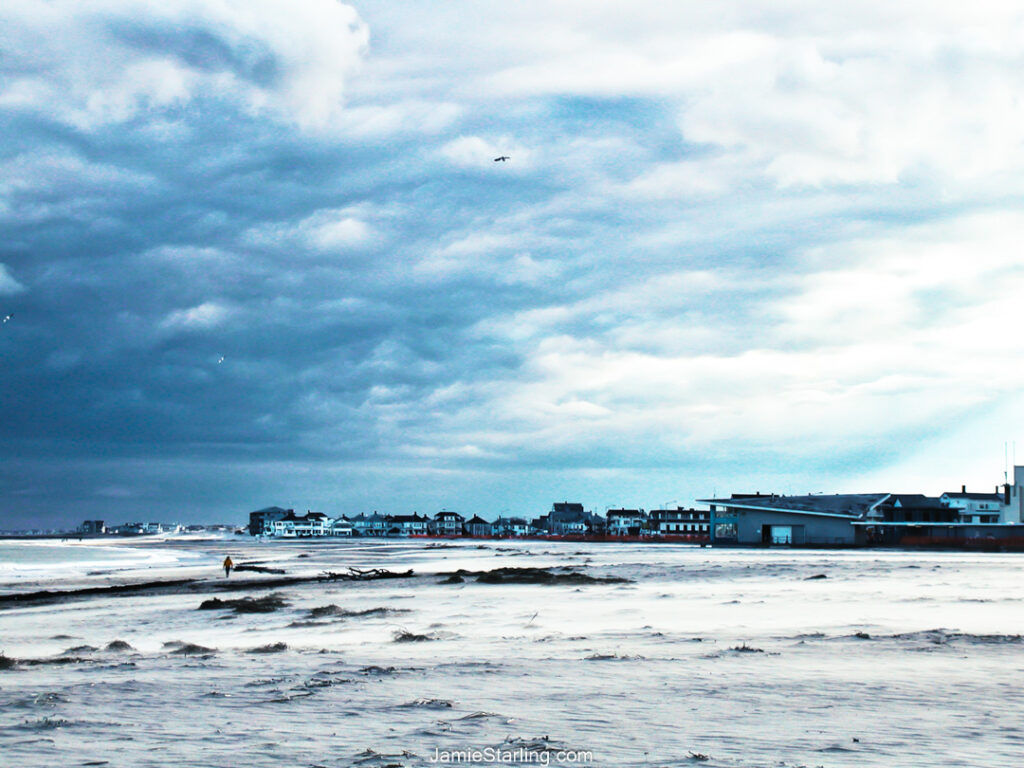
[725,530]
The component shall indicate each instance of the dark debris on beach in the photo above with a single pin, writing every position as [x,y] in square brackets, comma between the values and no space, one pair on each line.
[265,604]
[558,575]
[186,586]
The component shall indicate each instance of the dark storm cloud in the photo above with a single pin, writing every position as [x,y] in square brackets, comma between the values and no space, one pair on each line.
[711,249]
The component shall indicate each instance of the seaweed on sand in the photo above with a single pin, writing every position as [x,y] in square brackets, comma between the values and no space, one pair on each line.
[79,649]
[377,671]
[611,657]
[191,649]
[335,611]
[558,575]
[271,648]
[6,662]
[428,704]
[182,586]
[744,648]
[256,568]
[405,636]
[265,604]
[382,759]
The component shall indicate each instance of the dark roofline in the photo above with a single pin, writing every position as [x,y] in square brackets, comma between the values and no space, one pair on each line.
[764,504]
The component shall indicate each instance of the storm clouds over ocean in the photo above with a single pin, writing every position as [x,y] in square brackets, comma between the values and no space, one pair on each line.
[260,252]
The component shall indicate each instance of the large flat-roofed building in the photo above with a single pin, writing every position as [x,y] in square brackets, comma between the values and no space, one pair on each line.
[813,520]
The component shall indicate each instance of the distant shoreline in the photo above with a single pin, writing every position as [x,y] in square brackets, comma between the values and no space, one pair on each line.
[951,545]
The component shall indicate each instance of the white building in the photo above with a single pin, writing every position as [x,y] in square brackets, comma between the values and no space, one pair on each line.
[293,527]
[511,526]
[341,526]
[625,522]
[975,507]
[681,522]
[1013,506]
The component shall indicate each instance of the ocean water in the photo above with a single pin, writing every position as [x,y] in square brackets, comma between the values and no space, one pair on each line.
[700,657]
[28,562]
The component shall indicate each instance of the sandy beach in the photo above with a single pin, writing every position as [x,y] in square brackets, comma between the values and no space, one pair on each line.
[628,655]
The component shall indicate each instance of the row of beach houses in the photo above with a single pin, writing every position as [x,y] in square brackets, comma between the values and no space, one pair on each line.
[565,519]
[955,518]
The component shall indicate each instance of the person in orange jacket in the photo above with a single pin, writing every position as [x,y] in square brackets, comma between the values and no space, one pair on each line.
[228,565]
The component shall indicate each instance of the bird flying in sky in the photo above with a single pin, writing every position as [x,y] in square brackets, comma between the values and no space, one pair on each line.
[221,360]
[502,159]
[8,317]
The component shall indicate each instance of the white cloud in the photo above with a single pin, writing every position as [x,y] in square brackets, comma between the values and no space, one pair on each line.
[326,231]
[340,233]
[90,64]
[898,333]
[8,285]
[376,121]
[480,152]
[872,94]
[201,317]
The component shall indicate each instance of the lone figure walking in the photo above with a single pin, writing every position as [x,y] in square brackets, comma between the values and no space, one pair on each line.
[228,565]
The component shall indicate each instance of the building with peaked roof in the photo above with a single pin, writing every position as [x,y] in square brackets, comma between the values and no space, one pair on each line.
[479,528]
[369,525]
[977,507]
[341,526]
[912,508]
[407,525]
[567,518]
[625,522]
[511,527]
[446,523]
[293,526]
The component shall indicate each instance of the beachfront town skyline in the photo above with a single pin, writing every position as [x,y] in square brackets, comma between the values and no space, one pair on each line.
[953,518]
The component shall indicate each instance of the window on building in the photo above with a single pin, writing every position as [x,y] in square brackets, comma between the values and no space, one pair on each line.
[725,530]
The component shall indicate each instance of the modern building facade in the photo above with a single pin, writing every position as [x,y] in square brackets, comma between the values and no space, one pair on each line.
[813,520]
[693,523]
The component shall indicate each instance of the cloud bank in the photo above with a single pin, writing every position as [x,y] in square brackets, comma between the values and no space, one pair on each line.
[736,246]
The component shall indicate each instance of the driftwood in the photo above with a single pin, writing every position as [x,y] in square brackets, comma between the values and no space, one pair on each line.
[370,574]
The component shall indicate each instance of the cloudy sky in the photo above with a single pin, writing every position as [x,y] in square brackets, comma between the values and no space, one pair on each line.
[260,253]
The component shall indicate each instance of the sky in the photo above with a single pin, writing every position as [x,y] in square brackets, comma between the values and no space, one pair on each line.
[261,253]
